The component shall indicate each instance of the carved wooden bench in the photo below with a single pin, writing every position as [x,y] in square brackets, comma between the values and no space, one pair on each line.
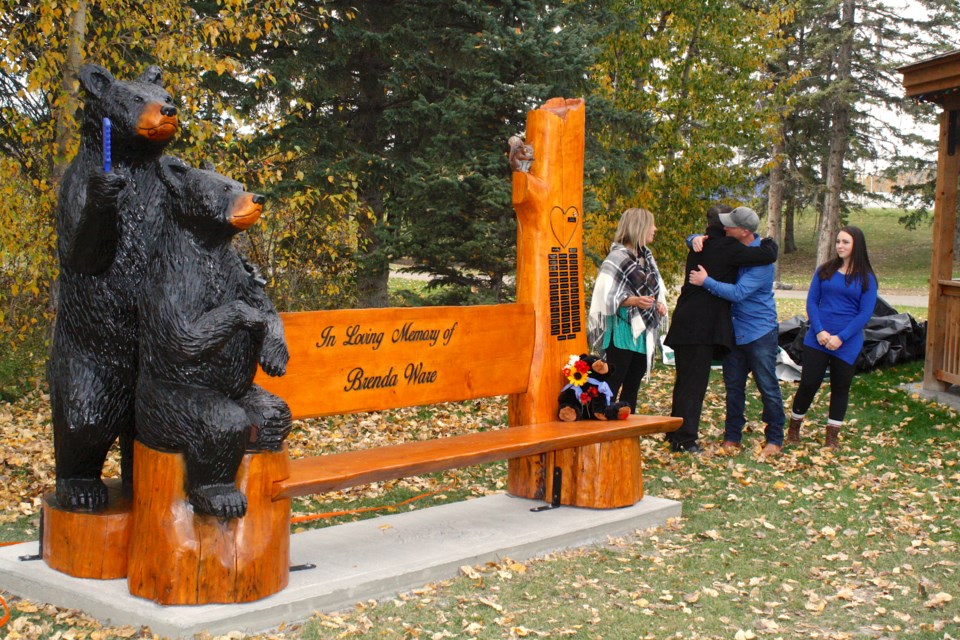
[368,360]
[375,359]
[372,359]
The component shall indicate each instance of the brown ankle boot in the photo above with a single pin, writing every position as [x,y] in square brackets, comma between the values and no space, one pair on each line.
[793,430]
[833,437]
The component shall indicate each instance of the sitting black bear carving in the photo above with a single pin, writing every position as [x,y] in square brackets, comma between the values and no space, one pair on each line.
[105,226]
[205,324]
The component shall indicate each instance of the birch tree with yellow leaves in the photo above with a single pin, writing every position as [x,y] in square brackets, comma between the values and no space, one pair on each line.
[698,69]
[198,46]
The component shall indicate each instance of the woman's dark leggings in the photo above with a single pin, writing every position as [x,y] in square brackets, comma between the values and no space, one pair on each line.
[627,369]
[815,363]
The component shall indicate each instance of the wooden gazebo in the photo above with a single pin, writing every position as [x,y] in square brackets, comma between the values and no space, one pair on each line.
[937,80]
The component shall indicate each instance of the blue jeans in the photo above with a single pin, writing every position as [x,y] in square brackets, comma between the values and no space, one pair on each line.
[760,358]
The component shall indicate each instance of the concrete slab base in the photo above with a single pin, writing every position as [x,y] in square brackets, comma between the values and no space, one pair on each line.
[370,559]
[949,396]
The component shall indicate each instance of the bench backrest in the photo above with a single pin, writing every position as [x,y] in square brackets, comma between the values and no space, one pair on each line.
[371,359]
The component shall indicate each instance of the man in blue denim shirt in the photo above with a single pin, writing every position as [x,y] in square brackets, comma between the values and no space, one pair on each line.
[756,330]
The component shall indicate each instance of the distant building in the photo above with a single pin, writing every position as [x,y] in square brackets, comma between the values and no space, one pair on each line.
[877,188]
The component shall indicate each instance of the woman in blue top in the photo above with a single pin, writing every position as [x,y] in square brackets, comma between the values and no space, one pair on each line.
[627,305]
[841,300]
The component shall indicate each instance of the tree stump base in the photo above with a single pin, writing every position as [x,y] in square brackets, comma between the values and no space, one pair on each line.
[178,557]
[606,475]
[88,544]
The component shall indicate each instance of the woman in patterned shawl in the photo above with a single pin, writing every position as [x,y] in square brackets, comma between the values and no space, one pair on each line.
[627,306]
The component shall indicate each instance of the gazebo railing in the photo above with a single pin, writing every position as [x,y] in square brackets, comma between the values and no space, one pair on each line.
[948,370]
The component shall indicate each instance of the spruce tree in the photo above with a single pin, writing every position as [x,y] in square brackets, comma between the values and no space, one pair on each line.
[839,107]
[413,102]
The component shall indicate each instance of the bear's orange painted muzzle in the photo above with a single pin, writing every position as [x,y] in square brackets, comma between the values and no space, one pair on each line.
[246,210]
[158,122]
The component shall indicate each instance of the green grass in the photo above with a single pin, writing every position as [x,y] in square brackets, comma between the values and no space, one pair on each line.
[862,543]
[858,544]
[900,257]
[23,528]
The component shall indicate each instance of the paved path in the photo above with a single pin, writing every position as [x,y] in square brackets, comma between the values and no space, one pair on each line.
[893,299]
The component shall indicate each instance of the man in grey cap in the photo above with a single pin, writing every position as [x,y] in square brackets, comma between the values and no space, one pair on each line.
[754,314]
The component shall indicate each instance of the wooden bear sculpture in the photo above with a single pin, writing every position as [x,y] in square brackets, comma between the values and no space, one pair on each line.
[106,222]
[205,325]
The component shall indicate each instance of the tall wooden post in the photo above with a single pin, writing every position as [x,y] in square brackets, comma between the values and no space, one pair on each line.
[549,205]
[944,225]
[937,80]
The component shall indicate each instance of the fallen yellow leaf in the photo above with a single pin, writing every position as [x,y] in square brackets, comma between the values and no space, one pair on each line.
[938,600]
[470,572]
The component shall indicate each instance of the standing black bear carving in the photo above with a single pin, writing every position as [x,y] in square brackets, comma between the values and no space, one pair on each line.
[205,324]
[105,226]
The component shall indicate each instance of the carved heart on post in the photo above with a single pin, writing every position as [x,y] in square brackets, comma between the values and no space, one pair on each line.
[564,224]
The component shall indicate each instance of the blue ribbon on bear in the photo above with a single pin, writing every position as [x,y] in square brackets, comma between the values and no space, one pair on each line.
[602,387]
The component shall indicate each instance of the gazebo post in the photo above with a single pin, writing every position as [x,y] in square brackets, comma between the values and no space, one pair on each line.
[944,226]
[937,80]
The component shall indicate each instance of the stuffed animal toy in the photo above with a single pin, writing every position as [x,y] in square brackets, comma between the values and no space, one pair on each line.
[587,395]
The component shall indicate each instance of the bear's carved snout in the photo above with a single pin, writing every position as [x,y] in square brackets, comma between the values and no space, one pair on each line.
[158,122]
[246,210]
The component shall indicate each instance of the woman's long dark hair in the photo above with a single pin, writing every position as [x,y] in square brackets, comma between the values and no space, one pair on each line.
[859,261]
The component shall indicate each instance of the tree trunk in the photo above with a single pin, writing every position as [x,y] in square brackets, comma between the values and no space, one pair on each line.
[496,285]
[65,131]
[839,139]
[691,56]
[65,128]
[373,268]
[775,196]
[789,239]
[956,233]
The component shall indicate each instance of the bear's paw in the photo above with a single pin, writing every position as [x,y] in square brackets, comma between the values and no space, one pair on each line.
[81,493]
[222,501]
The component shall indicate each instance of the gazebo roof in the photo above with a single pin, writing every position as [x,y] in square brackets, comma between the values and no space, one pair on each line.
[933,79]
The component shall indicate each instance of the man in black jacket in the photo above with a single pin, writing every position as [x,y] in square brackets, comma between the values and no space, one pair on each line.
[701,329]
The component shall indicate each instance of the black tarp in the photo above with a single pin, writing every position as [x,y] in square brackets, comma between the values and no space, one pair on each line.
[888,339]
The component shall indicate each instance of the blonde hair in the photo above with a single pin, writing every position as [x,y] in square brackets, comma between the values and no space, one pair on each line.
[634,228]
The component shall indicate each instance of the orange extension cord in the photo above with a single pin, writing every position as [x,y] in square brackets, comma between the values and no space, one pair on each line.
[347,512]
[334,514]
[6,612]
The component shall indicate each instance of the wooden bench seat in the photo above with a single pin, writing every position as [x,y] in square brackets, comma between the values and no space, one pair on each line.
[334,472]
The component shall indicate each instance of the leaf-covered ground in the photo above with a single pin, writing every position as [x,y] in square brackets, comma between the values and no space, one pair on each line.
[858,544]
